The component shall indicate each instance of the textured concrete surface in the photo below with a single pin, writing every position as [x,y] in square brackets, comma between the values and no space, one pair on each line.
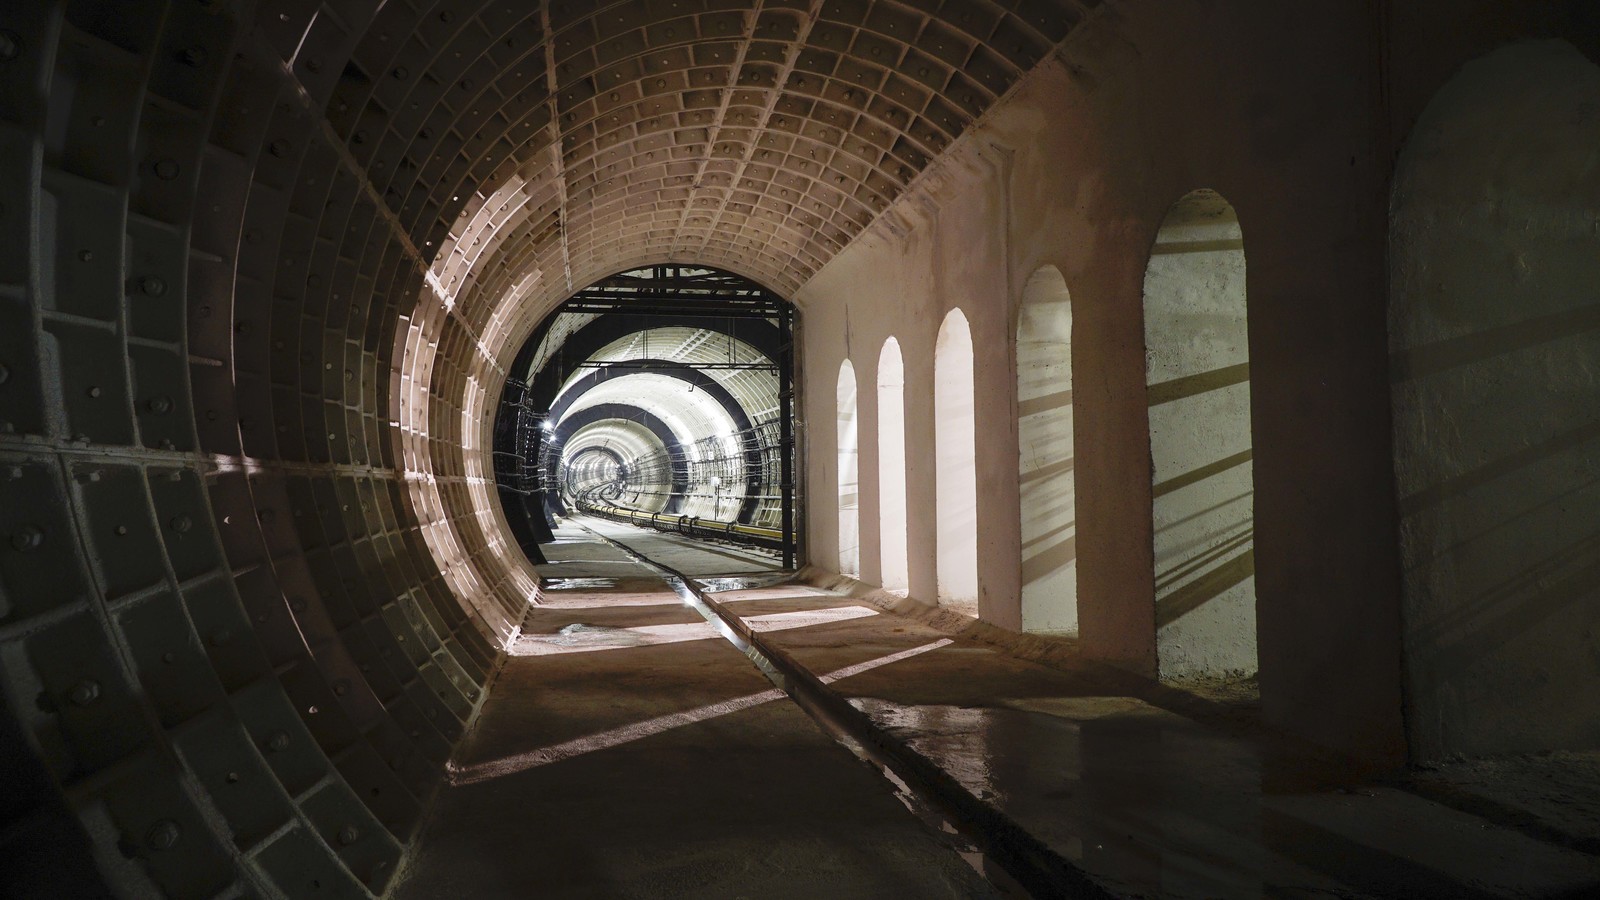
[1197,375]
[1152,802]
[1046,474]
[1497,406]
[603,766]
[1555,795]
[1077,171]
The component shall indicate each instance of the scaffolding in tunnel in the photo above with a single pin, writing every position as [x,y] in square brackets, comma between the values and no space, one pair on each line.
[750,467]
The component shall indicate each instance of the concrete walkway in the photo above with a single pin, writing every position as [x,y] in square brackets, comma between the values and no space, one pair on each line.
[627,750]
[1148,802]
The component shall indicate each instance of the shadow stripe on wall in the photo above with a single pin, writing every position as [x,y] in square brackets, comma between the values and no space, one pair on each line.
[1431,359]
[1195,385]
[1196,476]
[1197,593]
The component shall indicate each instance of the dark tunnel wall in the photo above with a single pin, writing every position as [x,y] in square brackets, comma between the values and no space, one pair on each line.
[1494,257]
[222,629]
[253,579]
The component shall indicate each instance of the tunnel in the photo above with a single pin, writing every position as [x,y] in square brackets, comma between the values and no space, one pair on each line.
[696,436]
[798,448]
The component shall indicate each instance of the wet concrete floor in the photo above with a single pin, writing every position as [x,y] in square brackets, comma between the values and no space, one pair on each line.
[1151,803]
[626,750]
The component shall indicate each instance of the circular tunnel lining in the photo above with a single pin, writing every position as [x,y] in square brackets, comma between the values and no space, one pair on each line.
[278,259]
[705,371]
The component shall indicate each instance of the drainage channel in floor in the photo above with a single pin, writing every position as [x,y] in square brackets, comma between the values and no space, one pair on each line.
[1012,861]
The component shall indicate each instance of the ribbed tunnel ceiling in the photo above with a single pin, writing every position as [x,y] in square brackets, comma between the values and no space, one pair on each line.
[754,136]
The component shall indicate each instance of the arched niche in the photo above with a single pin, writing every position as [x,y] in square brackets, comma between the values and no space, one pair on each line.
[1197,372]
[893,560]
[955,446]
[1045,464]
[1494,327]
[849,474]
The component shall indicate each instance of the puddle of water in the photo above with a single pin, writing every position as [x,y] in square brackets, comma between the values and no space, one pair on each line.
[956,737]
[581,637]
[740,582]
[580,634]
[577,584]
[963,845]
[694,593]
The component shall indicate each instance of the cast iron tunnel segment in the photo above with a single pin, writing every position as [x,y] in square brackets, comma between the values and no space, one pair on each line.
[933,794]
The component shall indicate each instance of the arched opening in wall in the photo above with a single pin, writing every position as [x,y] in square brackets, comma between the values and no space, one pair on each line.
[849,473]
[1197,369]
[1494,328]
[658,397]
[894,561]
[1045,467]
[955,448]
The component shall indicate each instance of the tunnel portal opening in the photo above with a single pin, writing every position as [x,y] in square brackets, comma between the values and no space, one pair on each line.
[660,396]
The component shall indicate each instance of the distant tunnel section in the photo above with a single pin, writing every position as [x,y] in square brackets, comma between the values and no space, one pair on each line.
[660,396]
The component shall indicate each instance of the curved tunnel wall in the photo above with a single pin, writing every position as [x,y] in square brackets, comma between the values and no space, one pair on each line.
[283,255]
[241,628]
[624,434]
[545,387]
[693,417]
[709,423]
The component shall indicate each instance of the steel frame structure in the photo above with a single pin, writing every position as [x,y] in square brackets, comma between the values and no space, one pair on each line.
[674,294]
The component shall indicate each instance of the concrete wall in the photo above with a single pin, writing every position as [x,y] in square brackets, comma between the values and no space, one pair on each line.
[848,477]
[1496,257]
[894,571]
[1045,466]
[955,444]
[1282,111]
[1197,370]
[1295,113]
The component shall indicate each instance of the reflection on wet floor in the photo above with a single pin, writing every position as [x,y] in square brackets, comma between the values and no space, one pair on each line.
[742,582]
[637,753]
[627,716]
[582,637]
[1150,803]
[637,730]
[577,584]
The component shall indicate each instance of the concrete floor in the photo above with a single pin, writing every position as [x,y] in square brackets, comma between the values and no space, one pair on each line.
[626,750]
[1149,802]
[576,553]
